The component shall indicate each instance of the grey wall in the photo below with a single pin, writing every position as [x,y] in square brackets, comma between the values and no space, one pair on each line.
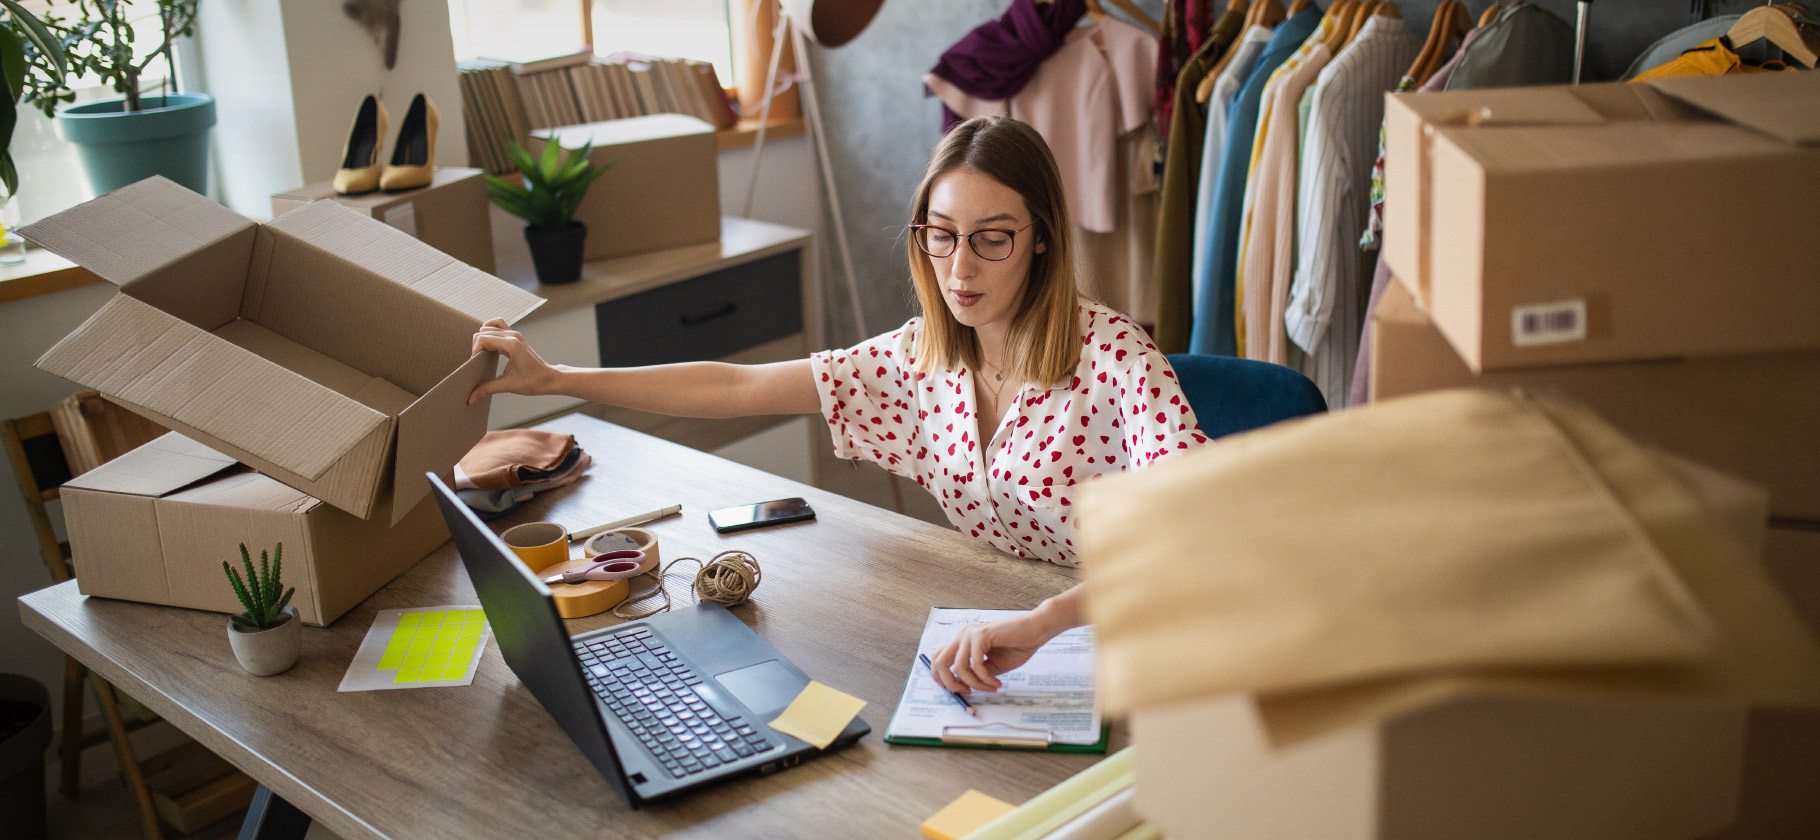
[881,128]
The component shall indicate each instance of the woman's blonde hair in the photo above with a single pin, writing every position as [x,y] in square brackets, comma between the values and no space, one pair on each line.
[1045,335]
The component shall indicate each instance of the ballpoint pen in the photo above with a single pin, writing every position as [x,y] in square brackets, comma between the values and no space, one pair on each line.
[962,700]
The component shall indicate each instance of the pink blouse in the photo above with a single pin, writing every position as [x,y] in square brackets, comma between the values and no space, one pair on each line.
[1121,409]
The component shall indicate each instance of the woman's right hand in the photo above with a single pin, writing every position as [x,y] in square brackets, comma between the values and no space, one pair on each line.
[526,372]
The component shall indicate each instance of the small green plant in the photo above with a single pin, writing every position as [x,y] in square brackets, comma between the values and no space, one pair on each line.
[552,186]
[259,591]
[94,38]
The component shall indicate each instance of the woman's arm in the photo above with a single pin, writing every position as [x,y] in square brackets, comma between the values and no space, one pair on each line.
[691,389]
[976,656]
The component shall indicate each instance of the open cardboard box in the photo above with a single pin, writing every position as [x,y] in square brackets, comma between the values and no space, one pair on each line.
[155,524]
[1756,416]
[1560,225]
[449,214]
[324,349]
[663,190]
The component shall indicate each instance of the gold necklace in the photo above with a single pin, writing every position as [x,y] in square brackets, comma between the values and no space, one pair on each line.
[998,377]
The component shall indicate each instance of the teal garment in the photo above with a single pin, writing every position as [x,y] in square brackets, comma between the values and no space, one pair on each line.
[1213,330]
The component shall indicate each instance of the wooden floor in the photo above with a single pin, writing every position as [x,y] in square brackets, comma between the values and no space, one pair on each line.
[106,810]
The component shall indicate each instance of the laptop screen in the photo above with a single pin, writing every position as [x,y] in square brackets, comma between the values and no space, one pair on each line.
[531,635]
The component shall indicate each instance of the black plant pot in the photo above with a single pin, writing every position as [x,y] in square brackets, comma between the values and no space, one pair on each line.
[25,733]
[557,253]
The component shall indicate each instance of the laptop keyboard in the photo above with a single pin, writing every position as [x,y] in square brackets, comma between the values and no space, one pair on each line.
[653,693]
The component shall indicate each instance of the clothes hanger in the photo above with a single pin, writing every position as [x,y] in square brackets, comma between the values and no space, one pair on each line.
[1365,13]
[1450,16]
[1388,9]
[1204,90]
[1776,25]
[1490,14]
[1455,34]
[1296,6]
[1267,13]
[1340,13]
[1135,14]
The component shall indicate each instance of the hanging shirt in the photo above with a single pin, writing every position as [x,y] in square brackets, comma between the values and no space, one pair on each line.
[1711,58]
[998,57]
[1121,409]
[1209,330]
[1265,248]
[1219,104]
[1327,295]
[1174,243]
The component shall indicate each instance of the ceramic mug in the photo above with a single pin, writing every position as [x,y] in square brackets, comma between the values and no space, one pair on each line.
[539,545]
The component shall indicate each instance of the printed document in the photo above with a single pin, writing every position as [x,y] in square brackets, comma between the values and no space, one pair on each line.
[1052,693]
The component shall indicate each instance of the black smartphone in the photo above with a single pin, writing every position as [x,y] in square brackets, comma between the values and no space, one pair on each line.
[728,520]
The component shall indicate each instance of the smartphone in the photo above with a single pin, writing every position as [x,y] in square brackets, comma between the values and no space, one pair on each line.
[728,520]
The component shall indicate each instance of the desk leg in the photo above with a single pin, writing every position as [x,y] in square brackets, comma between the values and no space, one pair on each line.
[272,818]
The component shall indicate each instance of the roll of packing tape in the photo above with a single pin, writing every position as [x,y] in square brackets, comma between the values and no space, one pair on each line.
[590,597]
[637,539]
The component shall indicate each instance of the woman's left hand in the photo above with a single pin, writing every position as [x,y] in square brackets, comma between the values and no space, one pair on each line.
[975,657]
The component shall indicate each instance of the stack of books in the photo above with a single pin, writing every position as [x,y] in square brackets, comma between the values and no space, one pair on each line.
[506,100]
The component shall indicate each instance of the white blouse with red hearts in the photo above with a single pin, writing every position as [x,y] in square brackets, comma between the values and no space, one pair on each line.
[1121,409]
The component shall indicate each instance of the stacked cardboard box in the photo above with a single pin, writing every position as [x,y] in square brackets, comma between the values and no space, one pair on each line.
[663,190]
[326,350]
[1590,241]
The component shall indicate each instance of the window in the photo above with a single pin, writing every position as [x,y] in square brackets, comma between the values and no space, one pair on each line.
[530,29]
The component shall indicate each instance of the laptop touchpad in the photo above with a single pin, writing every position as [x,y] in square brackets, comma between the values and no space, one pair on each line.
[764,687]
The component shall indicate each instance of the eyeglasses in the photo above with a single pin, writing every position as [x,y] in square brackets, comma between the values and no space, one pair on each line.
[991,243]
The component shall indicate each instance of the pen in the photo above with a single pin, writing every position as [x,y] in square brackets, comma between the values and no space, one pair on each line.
[640,519]
[963,701]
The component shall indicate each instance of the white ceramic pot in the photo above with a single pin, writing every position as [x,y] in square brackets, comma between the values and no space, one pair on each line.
[272,650]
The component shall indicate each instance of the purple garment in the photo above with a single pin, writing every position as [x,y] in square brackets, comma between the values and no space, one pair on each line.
[1361,368]
[998,57]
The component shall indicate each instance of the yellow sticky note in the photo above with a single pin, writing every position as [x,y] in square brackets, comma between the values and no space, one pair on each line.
[818,714]
[965,815]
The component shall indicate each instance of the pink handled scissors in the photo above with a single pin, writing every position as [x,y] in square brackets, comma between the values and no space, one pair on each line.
[613,565]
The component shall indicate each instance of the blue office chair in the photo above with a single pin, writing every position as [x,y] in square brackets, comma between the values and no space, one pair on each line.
[1232,395]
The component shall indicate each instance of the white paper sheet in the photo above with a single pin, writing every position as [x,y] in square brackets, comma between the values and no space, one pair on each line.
[1052,693]
[421,647]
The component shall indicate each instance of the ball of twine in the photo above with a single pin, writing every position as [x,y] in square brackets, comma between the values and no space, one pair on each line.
[728,579]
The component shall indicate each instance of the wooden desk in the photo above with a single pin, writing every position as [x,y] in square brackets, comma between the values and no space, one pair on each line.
[845,597]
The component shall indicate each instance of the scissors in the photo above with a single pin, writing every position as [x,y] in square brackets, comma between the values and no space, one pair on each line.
[613,565]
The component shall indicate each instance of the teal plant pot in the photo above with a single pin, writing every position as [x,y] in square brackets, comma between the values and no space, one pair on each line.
[169,137]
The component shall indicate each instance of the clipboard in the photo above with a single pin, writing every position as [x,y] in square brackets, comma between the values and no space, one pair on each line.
[912,723]
[1004,736]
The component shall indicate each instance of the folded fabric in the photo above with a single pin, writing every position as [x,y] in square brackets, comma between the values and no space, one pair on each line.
[1455,531]
[491,504]
[512,458]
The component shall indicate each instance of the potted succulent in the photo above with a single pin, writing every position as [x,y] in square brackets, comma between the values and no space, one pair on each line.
[546,197]
[25,734]
[142,133]
[266,637]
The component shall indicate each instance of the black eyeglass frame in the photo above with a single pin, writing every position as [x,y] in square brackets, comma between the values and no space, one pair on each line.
[916,236]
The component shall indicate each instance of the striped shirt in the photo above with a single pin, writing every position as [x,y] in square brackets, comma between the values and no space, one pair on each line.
[1225,86]
[1326,310]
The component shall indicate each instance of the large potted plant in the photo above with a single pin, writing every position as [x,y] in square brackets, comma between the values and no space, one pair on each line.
[266,637]
[142,133]
[546,195]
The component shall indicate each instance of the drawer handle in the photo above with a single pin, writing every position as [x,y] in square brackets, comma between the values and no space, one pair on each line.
[724,311]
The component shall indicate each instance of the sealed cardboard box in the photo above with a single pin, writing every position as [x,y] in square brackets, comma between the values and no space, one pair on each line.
[449,215]
[663,190]
[155,524]
[1754,416]
[324,349]
[1559,225]
[1489,767]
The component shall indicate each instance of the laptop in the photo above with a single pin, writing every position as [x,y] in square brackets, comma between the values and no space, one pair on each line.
[660,706]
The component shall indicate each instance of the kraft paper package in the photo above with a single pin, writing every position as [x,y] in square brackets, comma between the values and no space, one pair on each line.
[1351,566]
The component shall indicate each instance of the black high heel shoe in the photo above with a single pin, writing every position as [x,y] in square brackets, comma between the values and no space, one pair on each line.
[414,152]
[359,171]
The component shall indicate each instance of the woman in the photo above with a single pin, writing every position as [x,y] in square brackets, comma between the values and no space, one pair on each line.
[1004,395]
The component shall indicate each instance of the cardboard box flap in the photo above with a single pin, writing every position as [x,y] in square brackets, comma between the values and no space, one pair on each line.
[135,230]
[1508,106]
[1783,105]
[249,491]
[430,441]
[147,359]
[170,463]
[402,259]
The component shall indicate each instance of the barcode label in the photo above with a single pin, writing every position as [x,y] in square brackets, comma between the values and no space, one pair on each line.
[1548,323]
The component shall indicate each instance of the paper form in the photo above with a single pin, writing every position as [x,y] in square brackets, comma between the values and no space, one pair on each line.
[1052,693]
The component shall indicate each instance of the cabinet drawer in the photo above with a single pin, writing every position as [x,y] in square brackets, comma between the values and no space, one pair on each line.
[704,317]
